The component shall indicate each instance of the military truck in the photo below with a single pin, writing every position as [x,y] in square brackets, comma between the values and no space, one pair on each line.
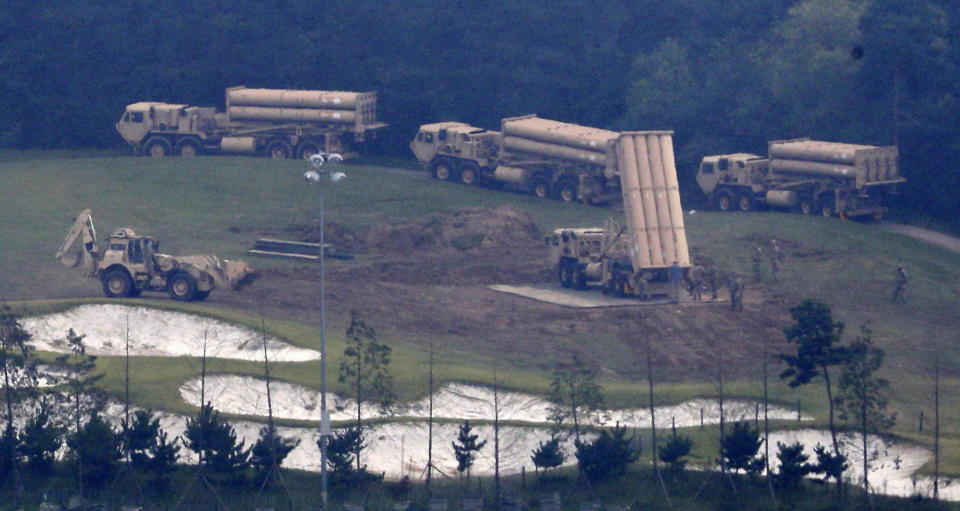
[275,123]
[130,264]
[632,259]
[541,156]
[803,175]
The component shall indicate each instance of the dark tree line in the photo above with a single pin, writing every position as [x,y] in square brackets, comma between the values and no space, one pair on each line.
[725,76]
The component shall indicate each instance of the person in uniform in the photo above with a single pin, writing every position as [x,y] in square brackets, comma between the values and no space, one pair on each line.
[676,275]
[900,286]
[757,259]
[776,258]
[695,282]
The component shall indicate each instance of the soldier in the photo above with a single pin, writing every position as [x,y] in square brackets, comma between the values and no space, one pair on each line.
[712,280]
[900,285]
[735,286]
[695,282]
[676,275]
[776,259]
[757,258]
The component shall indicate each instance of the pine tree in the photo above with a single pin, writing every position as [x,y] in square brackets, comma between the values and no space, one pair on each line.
[608,455]
[548,455]
[98,449]
[793,466]
[574,393]
[674,451]
[740,448]
[39,442]
[270,450]
[365,369]
[465,449]
[215,442]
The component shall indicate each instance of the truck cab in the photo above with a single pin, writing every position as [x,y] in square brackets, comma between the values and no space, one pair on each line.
[158,127]
[455,150]
[733,180]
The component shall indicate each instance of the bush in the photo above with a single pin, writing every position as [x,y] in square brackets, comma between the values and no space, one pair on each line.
[606,456]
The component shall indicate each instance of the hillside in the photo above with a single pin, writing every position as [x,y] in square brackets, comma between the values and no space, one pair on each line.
[426,252]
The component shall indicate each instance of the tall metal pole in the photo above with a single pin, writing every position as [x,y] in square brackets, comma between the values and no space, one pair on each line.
[324,415]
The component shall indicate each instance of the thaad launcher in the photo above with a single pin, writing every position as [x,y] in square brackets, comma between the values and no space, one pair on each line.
[632,258]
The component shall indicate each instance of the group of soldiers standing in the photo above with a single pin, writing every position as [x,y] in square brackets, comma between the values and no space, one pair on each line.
[707,278]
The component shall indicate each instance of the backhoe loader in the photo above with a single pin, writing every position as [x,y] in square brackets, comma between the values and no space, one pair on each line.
[130,264]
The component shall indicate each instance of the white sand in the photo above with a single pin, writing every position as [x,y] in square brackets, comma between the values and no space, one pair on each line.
[244,395]
[155,332]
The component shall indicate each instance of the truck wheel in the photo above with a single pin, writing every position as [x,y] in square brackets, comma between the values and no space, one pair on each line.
[188,147]
[306,150]
[117,284]
[541,187]
[746,202]
[724,200]
[806,206]
[826,208]
[278,149]
[565,275]
[182,287]
[157,147]
[442,170]
[469,173]
[567,191]
[579,279]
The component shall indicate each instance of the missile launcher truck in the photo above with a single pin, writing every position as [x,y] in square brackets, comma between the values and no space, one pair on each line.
[544,157]
[803,175]
[275,123]
[634,258]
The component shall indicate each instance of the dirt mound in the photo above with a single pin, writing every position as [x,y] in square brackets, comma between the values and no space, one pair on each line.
[466,229]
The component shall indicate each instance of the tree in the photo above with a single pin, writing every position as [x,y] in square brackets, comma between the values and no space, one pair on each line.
[674,451]
[98,449]
[832,466]
[18,374]
[793,466]
[740,448]
[139,436]
[270,450]
[574,393]
[341,449]
[863,395]
[365,369]
[548,455]
[817,339]
[162,459]
[82,383]
[215,442]
[608,455]
[465,449]
[39,441]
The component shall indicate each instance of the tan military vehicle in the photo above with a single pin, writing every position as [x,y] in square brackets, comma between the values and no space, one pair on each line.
[130,264]
[275,123]
[633,258]
[807,176]
[544,157]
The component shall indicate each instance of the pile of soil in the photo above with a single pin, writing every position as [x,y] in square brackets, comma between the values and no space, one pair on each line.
[463,230]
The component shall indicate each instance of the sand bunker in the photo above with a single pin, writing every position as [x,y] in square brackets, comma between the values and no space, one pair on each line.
[893,466]
[243,395]
[155,332]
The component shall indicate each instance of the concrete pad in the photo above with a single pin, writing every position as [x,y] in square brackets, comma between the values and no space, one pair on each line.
[589,298]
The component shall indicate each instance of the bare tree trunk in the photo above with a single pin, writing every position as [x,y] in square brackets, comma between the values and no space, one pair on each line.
[430,425]
[496,437]
[653,429]
[936,426]
[833,427]
[766,424]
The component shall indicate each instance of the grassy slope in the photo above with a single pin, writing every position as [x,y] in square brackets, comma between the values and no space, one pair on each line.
[220,204]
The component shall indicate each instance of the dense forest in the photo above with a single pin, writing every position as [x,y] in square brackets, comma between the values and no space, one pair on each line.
[725,75]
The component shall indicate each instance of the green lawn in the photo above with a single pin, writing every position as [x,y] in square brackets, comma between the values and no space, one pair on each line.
[221,204]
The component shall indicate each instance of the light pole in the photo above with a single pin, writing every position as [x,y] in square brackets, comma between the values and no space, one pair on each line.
[314,177]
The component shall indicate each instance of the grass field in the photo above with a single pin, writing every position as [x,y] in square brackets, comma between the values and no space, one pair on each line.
[221,204]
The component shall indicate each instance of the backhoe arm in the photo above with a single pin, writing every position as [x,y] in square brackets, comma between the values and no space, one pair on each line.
[82,226]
